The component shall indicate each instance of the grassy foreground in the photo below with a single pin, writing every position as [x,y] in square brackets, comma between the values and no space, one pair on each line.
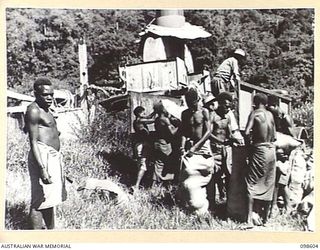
[103,151]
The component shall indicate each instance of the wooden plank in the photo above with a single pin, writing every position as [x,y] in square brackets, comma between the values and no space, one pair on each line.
[246,92]
[151,62]
[82,53]
[284,107]
[150,77]
[266,91]
[17,109]
[19,96]
[245,107]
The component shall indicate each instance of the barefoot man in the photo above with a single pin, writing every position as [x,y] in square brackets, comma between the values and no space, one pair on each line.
[222,139]
[260,178]
[165,132]
[44,162]
[197,157]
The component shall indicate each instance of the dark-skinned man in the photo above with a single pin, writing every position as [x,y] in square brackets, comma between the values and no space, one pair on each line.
[44,160]
[197,159]
[260,133]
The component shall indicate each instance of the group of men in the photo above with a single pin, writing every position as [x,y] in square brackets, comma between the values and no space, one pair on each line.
[201,140]
[202,143]
[204,135]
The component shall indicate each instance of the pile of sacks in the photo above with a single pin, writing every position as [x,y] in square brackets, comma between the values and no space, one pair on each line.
[297,179]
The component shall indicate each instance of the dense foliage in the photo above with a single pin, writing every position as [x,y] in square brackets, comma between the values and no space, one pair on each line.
[279,43]
[303,117]
[45,42]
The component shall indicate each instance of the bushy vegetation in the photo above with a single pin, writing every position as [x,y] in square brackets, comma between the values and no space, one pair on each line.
[106,130]
[279,45]
[303,116]
[85,157]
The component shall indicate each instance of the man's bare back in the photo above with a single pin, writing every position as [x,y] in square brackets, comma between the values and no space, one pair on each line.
[261,121]
[262,158]
[164,128]
[263,126]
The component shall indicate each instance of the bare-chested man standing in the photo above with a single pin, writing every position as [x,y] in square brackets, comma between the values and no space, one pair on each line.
[164,134]
[222,139]
[44,162]
[260,178]
[197,157]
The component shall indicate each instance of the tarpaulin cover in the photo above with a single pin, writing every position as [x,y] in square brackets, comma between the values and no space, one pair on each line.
[187,31]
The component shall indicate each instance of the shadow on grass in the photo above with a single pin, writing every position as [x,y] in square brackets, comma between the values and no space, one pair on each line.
[220,211]
[126,169]
[164,195]
[16,217]
[122,166]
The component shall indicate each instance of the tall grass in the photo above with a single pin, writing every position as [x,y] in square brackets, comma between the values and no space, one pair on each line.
[109,132]
[85,157]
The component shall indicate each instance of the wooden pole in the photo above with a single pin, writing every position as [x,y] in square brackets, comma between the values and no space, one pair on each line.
[82,48]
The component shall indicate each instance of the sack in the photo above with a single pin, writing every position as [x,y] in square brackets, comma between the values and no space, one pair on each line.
[286,142]
[298,167]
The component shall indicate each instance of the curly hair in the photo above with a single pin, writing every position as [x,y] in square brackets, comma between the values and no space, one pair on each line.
[41,82]
[138,110]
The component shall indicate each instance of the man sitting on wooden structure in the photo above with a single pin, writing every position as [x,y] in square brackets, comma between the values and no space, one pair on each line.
[227,75]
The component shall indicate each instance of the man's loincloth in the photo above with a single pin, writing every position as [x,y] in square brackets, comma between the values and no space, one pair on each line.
[222,159]
[262,170]
[163,150]
[46,195]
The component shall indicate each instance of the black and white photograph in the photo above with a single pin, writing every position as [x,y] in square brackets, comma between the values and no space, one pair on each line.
[164,119]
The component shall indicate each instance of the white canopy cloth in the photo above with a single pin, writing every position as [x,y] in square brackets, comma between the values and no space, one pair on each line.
[187,31]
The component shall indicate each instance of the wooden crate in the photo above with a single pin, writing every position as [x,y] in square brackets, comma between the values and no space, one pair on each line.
[154,76]
[246,93]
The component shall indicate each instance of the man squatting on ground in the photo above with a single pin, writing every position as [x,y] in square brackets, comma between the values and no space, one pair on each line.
[260,178]
[44,160]
[197,157]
